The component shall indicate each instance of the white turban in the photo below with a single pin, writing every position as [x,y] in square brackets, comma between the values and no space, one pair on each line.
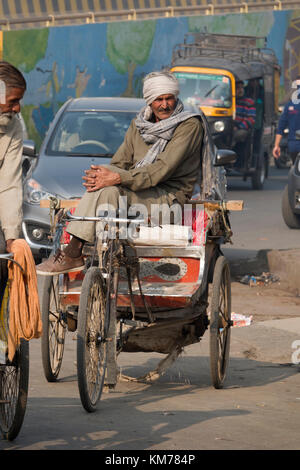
[159,83]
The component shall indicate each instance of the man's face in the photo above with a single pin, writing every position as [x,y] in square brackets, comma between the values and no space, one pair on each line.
[239,90]
[12,105]
[163,106]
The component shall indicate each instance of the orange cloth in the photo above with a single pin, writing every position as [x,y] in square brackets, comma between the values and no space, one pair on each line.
[24,309]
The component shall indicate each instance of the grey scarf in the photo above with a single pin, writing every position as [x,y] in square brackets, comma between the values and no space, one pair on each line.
[159,133]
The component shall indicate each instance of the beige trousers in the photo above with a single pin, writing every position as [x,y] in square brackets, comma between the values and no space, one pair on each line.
[109,197]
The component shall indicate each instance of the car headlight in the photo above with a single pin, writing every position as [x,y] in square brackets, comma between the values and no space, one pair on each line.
[34,192]
[219,126]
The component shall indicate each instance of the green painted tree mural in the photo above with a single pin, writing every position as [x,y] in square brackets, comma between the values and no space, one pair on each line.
[291,67]
[25,48]
[129,45]
[252,24]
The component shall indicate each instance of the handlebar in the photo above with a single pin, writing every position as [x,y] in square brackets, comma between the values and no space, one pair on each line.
[7,256]
[10,257]
[105,218]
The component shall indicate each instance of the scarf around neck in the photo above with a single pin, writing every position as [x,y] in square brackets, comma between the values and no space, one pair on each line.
[159,133]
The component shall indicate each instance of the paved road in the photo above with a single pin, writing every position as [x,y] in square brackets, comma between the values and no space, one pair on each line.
[259,407]
[260,225]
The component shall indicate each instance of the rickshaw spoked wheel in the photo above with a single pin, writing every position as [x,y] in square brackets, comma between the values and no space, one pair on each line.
[220,322]
[13,392]
[91,338]
[54,326]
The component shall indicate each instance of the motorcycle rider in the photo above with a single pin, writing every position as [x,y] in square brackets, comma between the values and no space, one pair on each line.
[289,119]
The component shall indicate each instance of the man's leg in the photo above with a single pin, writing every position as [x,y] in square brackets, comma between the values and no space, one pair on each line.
[88,207]
[156,203]
[70,259]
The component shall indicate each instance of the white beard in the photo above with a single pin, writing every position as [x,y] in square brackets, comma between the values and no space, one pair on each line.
[5,119]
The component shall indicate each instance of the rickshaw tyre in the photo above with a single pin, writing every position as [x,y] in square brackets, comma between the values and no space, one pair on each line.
[85,344]
[291,219]
[20,361]
[259,175]
[280,164]
[44,289]
[219,353]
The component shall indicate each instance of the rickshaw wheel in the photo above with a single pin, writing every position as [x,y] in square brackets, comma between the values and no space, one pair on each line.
[259,176]
[220,322]
[54,327]
[91,339]
[13,392]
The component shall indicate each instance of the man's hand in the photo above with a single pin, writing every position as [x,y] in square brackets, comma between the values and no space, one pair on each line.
[276,148]
[276,151]
[8,245]
[99,177]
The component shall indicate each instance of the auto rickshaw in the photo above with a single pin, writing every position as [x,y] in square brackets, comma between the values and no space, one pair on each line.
[208,67]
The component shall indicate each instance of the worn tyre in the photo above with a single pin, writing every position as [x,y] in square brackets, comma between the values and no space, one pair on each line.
[91,339]
[54,327]
[291,219]
[14,379]
[220,322]
[282,162]
[259,176]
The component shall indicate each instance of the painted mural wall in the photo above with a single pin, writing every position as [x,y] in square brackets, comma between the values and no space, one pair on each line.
[111,59]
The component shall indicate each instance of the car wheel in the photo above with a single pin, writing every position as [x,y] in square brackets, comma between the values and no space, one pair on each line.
[291,219]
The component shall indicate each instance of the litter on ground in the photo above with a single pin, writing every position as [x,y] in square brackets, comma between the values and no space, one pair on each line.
[240,320]
[262,280]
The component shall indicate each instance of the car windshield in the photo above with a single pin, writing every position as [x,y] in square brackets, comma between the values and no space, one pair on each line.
[89,133]
[204,89]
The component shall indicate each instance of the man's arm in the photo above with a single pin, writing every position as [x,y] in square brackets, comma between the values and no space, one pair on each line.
[11,195]
[186,139]
[276,148]
[282,124]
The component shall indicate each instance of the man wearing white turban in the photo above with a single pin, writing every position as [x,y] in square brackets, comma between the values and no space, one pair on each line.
[157,163]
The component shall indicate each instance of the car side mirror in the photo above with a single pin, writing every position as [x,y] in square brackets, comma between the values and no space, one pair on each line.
[29,148]
[224,157]
[297,133]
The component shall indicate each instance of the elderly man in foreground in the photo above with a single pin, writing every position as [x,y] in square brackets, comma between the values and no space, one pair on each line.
[12,89]
[157,163]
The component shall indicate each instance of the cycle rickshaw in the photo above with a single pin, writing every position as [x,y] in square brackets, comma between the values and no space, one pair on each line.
[139,295]
[14,374]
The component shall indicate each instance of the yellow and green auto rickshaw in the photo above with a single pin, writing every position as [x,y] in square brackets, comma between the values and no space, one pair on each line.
[208,66]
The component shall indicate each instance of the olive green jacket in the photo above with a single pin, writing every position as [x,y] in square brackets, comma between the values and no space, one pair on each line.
[11,195]
[174,171]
